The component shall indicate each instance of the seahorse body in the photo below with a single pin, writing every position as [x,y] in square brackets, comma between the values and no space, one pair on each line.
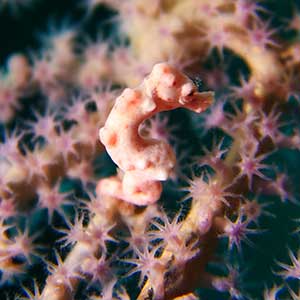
[145,162]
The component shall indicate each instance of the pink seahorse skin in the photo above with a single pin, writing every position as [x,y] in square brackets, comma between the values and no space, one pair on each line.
[145,162]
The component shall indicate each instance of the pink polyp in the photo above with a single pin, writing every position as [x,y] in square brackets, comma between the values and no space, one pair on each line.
[145,162]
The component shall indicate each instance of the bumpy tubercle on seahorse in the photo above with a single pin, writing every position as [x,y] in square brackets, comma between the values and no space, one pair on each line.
[145,162]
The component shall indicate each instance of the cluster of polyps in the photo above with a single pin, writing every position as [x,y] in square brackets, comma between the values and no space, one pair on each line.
[145,162]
